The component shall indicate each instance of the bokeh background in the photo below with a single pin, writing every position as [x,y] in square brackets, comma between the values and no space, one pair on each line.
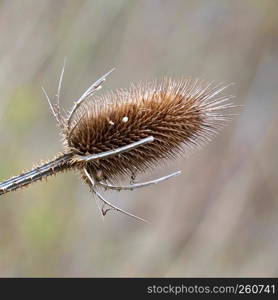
[220,217]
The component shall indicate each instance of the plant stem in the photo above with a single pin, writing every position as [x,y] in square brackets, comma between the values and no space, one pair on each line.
[59,164]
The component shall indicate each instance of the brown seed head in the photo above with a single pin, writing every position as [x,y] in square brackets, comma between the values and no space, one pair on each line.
[178,114]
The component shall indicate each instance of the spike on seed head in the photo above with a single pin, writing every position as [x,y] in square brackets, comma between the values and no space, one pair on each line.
[178,114]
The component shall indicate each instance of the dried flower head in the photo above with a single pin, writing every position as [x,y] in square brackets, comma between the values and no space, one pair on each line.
[177,114]
[116,135]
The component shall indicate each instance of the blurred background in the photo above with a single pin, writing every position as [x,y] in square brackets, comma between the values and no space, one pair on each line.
[219,218]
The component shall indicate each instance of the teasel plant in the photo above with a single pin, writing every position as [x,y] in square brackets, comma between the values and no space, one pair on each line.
[117,135]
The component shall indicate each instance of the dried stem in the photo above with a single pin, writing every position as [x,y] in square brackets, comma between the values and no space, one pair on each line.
[62,163]
[55,166]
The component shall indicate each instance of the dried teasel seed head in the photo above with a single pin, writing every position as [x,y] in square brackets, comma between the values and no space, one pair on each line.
[127,131]
[179,114]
